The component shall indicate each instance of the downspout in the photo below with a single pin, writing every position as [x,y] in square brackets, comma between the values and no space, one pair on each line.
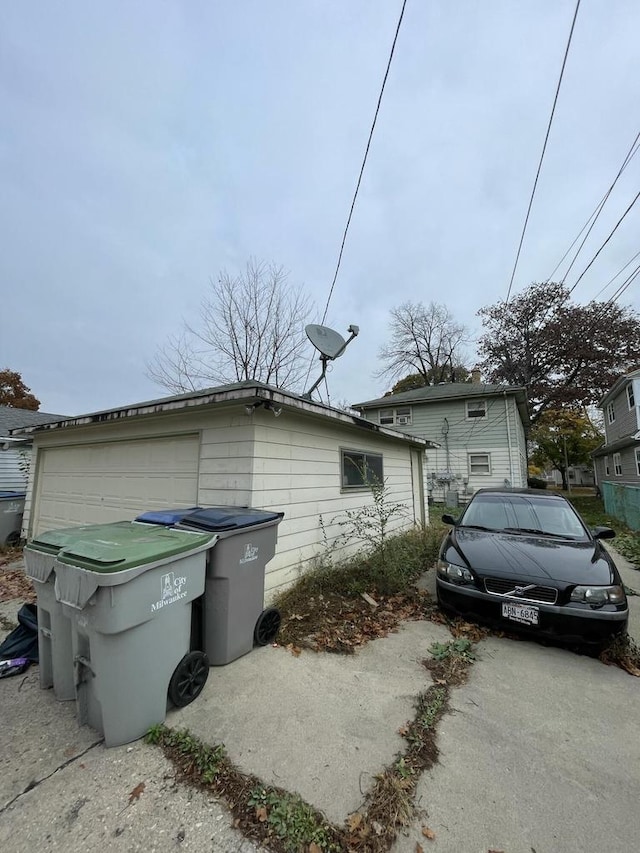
[506,411]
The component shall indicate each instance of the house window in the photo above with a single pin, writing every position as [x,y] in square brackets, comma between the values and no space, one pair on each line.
[479,463]
[359,470]
[607,469]
[630,397]
[617,465]
[476,409]
[611,413]
[395,417]
[403,416]
[638,461]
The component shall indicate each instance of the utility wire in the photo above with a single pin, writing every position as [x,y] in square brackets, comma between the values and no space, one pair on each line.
[611,280]
[591,221]
[544,148]
[364,161]
[613,231]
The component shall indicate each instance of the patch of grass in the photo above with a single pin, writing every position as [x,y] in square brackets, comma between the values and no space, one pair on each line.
[593,512]
[292,820]
[623,652]
[450,661]
[628,544]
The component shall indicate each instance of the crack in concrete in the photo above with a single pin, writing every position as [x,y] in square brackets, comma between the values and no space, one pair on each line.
[35,782]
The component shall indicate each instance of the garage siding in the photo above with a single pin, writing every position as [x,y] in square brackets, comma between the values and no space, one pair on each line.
[297,471]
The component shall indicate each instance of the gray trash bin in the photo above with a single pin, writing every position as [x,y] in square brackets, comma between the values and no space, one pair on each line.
[11,511]
[234,619]
[129,596]
[56,665]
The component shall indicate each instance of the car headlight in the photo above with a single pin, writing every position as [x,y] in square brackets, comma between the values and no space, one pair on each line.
[598,595]
[456,574]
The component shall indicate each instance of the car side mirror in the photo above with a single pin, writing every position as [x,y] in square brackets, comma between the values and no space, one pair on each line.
[603,533]
[449,519]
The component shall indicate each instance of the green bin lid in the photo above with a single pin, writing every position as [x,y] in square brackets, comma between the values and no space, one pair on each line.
[121,546]
[53,541]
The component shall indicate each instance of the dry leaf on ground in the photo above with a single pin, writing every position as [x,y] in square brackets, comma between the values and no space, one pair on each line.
[428,833]
[137,791]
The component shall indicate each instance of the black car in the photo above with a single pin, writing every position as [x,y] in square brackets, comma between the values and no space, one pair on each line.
[526,561]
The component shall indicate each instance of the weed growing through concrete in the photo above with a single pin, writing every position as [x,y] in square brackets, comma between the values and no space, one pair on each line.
[283,821]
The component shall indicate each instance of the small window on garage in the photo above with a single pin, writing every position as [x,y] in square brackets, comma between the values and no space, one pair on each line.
[617,465]
[479,463]
[360,469]
[385,417]
[476,408]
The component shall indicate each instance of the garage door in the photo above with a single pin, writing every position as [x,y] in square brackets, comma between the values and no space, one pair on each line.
[96,483]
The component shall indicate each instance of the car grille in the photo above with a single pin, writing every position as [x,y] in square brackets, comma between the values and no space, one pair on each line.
[499,586]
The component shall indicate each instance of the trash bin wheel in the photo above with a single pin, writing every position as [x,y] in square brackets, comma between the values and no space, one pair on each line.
[188,679]
[13,539]
[267,626]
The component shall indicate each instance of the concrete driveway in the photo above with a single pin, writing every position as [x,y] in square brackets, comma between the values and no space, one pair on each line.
[541,752]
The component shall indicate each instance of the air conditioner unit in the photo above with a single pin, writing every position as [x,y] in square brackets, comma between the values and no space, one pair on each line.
[403,420]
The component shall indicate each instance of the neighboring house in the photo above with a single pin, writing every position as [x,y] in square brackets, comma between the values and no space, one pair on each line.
[618,459]
[578,475]
[15,453]
[480,429]
[242,444]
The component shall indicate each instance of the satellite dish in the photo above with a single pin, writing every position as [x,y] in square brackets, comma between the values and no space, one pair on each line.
[327,341]
[330,344]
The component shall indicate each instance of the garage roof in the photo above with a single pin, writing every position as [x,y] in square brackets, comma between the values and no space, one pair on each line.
[250,393]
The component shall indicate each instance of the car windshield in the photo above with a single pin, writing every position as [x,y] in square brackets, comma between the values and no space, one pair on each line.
[523,514]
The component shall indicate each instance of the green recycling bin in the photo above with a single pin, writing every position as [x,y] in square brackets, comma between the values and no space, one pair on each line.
[234,619]
[128,592]
[54,627]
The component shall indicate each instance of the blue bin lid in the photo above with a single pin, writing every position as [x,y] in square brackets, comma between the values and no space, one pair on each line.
[166,516]
[218,518]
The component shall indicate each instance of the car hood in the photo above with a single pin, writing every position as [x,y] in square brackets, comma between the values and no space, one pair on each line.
[536,558]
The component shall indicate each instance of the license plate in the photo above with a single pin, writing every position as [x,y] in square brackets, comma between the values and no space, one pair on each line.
[522,613]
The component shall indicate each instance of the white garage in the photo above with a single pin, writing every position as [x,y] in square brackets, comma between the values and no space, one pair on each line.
[112,481]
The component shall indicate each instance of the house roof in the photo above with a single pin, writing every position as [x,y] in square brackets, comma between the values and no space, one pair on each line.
[618,385]
[451,391]
[251,393]
[12,418]
[614,446]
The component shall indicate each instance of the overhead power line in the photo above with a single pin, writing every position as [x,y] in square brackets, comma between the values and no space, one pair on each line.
[611,280]
[612,232]
[591,221]
[364,161]
[544,148]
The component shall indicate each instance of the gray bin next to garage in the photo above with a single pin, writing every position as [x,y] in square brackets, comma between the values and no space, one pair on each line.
[130,630]
[11,512]
[55,651]
[234,592]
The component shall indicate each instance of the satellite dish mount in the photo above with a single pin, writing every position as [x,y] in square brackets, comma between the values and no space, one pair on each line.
[330,344]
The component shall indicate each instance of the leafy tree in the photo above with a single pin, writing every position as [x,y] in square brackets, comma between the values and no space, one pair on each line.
[424,340]
[251,326]
[561,352]
[14,393]
[458,373]
[557,428]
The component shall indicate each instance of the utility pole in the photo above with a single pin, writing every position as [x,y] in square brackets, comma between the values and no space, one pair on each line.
[566,463]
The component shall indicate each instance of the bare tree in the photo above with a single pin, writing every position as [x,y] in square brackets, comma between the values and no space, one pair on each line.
[251,327]
[424,340]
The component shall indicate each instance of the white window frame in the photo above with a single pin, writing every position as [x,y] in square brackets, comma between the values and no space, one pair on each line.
[607,467]
[638,461]
[392,417]
[470,464]
[359,457]
[476,406]
[611,413]
[630,396]
[617,465]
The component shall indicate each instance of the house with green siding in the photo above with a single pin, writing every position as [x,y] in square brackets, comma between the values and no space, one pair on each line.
[480,430]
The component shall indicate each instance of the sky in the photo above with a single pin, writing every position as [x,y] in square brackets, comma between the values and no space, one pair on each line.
[145,147]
